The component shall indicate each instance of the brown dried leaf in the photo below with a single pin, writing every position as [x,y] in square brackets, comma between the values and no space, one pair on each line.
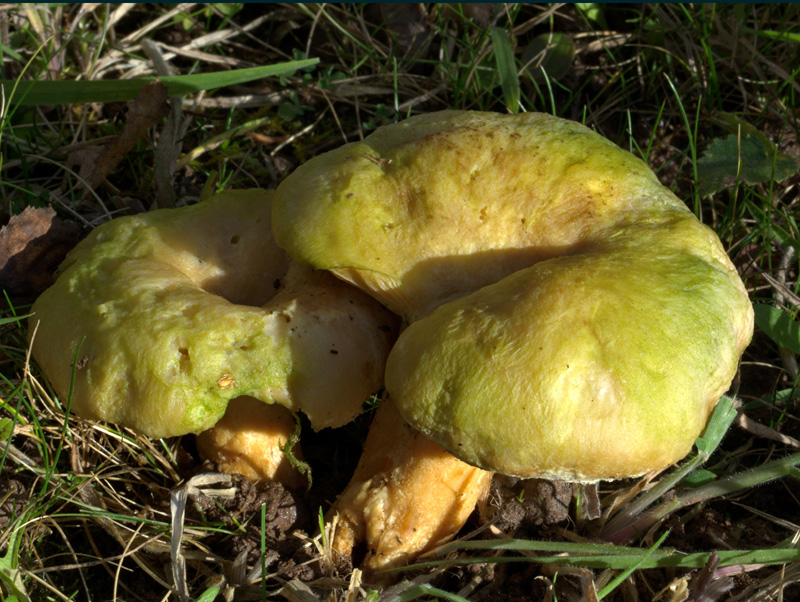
[144,112]
[761,430]
[32,245]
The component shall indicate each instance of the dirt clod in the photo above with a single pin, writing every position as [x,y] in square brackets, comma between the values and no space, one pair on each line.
[522,505]
[284,513]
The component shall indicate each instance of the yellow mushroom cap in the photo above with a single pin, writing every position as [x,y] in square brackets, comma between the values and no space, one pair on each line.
[599,365]
[569,316]
[161,318]
[448,202]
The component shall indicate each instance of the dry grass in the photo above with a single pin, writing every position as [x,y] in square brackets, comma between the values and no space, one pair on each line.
[92,512]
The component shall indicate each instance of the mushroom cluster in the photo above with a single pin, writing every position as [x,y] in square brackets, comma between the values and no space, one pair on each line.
[566,316]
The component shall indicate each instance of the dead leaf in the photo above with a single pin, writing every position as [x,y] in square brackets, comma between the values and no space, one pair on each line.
[32,245]
[144,112]
[167,151]
[264,139]
[761,430]
[590,501]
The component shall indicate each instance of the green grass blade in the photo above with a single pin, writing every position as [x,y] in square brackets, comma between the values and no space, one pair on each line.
[506,68]
[9,574]
[4,321]
[786,36]
[69,92]
[531,545]
[428,590]
[744,480]
[641,559]
[717,426]
[10,52]
[209,595]
[716,489]
[615,583]
[692,136]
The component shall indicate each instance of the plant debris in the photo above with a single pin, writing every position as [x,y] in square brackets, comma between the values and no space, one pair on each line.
[148,109]
[32,245]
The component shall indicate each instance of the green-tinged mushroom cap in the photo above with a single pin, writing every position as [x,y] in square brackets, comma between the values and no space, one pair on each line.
[441,204]
[157,320]
[591,366]
[569,316]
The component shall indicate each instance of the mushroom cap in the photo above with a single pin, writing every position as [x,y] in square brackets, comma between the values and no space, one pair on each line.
[448,202]
[598,365]
[163,317]
[570,317]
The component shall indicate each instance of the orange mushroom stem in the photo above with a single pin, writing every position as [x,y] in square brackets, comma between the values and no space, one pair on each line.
[407,496]
[250,440]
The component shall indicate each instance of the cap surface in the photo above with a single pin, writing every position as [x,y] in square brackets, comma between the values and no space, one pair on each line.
[598,365]
[165,316]
[570,317]
[448,202]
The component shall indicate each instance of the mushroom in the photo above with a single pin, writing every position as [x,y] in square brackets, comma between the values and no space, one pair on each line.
[250,440]
[157,321]
[406,496]
[568,316]
[583,368]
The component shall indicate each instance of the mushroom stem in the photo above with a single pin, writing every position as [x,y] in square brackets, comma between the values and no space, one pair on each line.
[249,440]
[407,496]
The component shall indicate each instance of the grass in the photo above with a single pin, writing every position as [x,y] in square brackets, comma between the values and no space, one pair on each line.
[93,512]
